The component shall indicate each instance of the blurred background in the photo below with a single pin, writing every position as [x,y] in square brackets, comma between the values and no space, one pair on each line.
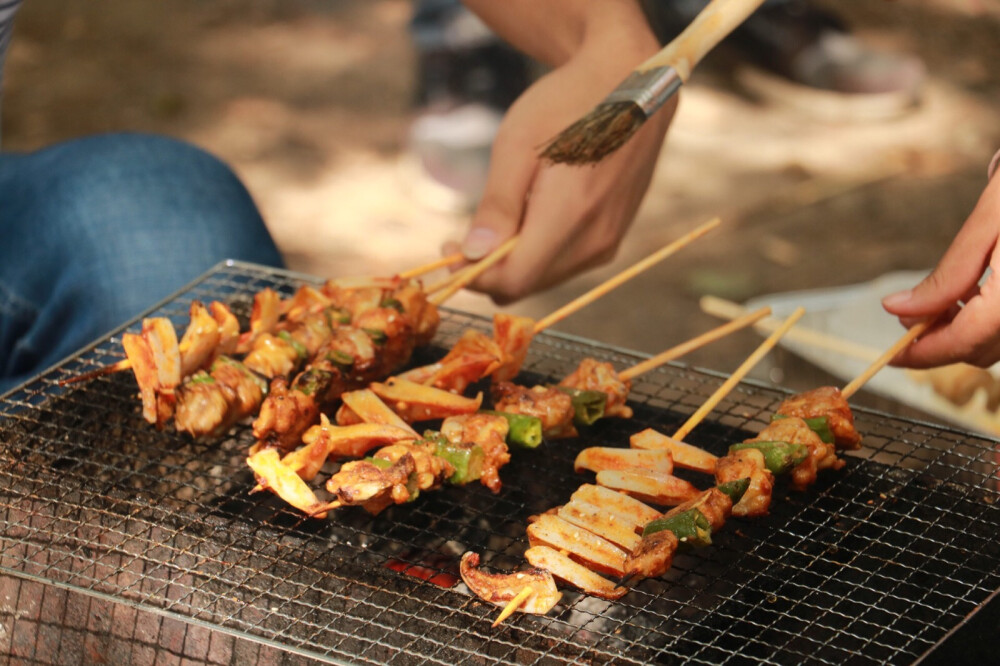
[314,104]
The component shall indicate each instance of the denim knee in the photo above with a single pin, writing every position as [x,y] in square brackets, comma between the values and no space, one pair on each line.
[99,229]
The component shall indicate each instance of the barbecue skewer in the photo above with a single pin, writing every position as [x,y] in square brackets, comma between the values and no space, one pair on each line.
[912,334]
[613,121]
[704,410]
[720,307]
[516,333]
[126,364]
[697,342]
[644,366]
[430,267]
[626,275]
[776,461]
[464,277]
[738,375]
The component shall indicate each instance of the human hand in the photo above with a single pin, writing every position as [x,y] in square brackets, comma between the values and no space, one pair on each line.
[569,218]
[968,314]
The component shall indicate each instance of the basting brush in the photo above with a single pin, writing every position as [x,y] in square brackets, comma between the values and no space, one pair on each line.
[612,122]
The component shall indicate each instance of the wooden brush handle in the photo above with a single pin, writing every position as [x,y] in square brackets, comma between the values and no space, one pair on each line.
[713,23]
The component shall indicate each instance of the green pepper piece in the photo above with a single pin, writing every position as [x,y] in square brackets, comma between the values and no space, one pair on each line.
[735,489]
[337,316]
[691,527]
[392,303]
[340,358]
[524,431]
[313,381]
[411,480]
[467,459]
[201,377]
[818,424]
[779,457]
[300,349]
[588,406]
[377,336]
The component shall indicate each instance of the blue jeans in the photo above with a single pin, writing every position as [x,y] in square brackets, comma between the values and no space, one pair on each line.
[96,230]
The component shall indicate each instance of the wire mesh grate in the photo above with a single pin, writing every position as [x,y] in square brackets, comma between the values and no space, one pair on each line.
[873,564]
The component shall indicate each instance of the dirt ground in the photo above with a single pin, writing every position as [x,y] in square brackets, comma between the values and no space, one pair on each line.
[310,101]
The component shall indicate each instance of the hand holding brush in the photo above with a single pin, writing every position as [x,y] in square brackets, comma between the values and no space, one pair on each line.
[612,122]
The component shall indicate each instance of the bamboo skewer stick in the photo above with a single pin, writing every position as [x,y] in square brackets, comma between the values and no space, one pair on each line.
[513,605]
[719,307]
[694,343]
[901,344]
[118,366]
[470,273]
[432,266]
[612,122]
[625,275]
[737,375]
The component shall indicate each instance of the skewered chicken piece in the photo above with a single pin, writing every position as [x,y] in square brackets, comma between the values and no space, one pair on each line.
[825,402]
[596,389]
[794,430]
[468,448]
[552,406]
[351,336]
[594,375]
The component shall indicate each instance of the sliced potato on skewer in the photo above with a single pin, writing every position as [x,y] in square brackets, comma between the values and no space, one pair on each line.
[601,522]
[369,408]
[652,487]
[600,458]
[627,509]
[684,455]
[273,475]
[568,571]
[582,545]
[416,402]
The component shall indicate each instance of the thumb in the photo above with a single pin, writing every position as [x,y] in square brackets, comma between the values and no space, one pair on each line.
[498,215]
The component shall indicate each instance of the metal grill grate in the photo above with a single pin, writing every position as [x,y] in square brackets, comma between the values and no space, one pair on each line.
[873,564]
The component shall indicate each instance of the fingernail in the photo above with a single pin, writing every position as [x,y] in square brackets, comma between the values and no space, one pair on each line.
[897,299]
[479,243]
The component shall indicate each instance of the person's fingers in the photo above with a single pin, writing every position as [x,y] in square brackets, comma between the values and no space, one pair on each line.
[971,336]
[513,164]
[959,270]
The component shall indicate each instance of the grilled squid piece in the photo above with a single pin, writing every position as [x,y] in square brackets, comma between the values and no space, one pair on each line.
[473,357]
[156,361]
[500,589]
[513,334]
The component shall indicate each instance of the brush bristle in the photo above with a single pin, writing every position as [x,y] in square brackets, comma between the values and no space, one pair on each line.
[601,132]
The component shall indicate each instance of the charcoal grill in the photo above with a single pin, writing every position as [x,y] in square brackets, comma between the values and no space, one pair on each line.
[121,523]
